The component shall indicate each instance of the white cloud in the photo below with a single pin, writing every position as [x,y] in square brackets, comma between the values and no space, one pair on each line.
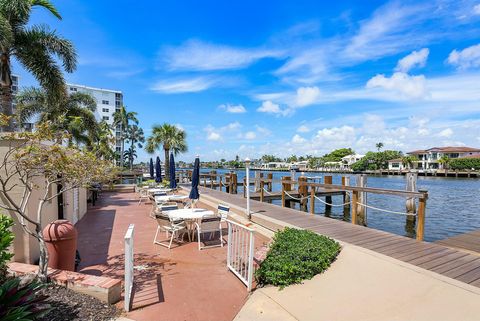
[269,107]
[196,55]
[303,129]
[307,96]
[447,133]
[213,136]
[297,139]
[466,58]
[264,132]
[250,135]
[415,59]
[402,83]
[234,109]
[183,85]
[476,9]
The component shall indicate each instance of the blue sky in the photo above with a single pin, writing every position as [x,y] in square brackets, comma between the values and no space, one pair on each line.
[285,77]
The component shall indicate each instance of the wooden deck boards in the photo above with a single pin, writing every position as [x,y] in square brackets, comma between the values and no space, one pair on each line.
[450,261]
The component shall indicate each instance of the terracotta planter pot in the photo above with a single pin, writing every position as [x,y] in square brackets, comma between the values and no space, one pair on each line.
[61,241]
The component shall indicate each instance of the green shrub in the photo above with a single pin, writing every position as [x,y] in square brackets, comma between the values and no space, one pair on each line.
[465,163]
[296,255]
[6,239]
[21,301]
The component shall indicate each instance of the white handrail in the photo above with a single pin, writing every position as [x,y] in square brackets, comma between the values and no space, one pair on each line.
[240,252]
[128,266]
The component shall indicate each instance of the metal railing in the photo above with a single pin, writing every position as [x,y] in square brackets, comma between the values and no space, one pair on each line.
[240,253]
[128,266]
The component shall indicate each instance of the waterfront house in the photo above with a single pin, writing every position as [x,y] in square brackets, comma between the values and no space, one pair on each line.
[429,158]
[395,165]
[275,165]
[349,160]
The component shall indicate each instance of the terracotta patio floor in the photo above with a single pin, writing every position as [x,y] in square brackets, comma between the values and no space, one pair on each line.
[178,284]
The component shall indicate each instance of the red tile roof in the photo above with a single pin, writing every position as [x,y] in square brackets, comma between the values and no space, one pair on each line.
[446,149]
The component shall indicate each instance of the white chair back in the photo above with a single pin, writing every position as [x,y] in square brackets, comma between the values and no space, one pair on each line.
[223,211]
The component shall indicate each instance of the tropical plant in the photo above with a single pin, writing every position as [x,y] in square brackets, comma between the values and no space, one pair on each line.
[129,155]
[37,48]
[171,137]
[296,255]
[408,161]
[44,170]
[122,119]
[73,114]
[103,140]
[444,161]
[465,163]
[6,239]
[379,146]
[376,160]
[22,302]
[136,138]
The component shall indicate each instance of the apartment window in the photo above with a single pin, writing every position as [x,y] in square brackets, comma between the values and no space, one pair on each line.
[105,102]
[106,118]
[105,110]
[118,149]
[117,104]
[73,89]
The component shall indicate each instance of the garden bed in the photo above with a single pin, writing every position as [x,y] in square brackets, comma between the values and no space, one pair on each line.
[68,305]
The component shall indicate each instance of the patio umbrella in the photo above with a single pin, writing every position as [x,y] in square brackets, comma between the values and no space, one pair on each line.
[152,175]
[158,171]
[194,195]
[173,181]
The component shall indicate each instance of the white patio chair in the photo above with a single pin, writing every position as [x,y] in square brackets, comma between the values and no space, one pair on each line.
[209,224]
[170,227]
[222,212]
[144,195]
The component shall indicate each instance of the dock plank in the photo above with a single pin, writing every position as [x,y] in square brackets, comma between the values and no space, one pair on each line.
[443,257]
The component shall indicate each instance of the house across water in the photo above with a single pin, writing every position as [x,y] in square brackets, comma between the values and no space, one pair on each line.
[430,158]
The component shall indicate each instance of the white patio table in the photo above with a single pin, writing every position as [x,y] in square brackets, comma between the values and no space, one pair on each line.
[190,216]
[159,190]
[173,198]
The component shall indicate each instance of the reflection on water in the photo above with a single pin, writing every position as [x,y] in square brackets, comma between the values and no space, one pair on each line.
[453,205]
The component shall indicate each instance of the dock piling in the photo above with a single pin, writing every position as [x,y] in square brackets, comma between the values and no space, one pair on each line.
[361,211]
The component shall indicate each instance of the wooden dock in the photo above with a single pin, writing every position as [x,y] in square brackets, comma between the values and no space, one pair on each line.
[467,242]
[293,195]
[449,262]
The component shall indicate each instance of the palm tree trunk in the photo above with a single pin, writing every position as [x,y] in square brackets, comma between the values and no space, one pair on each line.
[122,151]
[167,164]
[6,99]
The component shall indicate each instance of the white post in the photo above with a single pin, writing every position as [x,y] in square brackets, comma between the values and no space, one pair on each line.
[128,266]
[250,261]
[247,173]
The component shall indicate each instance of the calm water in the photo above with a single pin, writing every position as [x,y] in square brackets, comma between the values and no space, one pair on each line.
[453,206]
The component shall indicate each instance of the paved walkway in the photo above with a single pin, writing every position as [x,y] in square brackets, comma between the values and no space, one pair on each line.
[364,285]
[178,284]
[437,258]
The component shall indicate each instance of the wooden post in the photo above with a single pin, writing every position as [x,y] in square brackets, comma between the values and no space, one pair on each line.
[422,204]
[362,198]
[410,203]
[258,176]
[261,190]
[354,207]
[283,192]
[270,183]
[346,196]
[303,192]
[328,198]
[233,189]
[312,200]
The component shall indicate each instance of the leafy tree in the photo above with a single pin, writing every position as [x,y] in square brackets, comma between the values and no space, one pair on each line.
[136,138]
[270,159]
[30,165]
[465,164]
[6,239]
[122,118]
[37,48]
[171,137]
[337,155]
[444,161]
[376,160]
[73,114]
[102,142]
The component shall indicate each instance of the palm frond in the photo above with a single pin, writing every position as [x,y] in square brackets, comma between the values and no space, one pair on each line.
[30,102]
[84,99]
[6,35]
[47,5]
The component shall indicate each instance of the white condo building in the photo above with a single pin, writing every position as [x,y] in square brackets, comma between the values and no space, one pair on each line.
[108,101]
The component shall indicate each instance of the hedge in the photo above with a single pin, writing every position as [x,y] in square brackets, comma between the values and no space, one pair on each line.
[296,255]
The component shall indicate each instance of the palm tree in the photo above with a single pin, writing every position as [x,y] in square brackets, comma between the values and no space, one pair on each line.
[136,138]
[444,161]
[129,155]
[67,113]
[122,118]
[407,161]
[37,48]
[379,146]
[103,140]
[171,137]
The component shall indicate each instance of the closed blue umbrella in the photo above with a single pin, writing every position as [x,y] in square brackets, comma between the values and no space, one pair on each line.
[194,195]
[173,181]
[152,175]
[158,171]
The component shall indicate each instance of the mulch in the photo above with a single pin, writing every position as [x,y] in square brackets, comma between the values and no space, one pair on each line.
[68,305]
